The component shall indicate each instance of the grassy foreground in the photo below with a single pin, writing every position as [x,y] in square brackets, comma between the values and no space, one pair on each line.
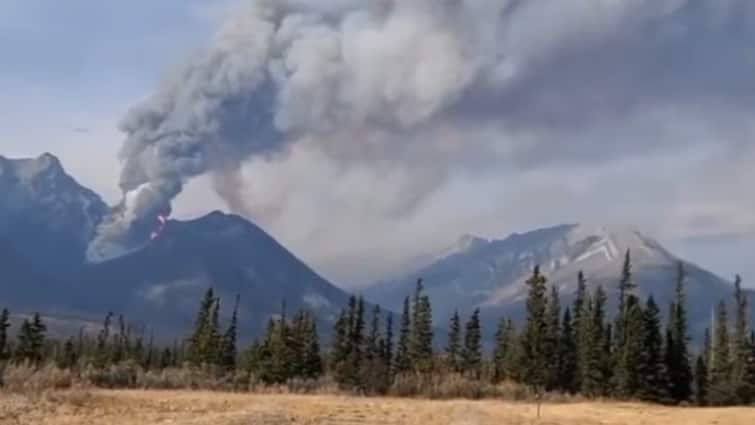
[184,407]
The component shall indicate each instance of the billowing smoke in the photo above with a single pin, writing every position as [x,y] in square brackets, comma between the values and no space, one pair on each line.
[426,82]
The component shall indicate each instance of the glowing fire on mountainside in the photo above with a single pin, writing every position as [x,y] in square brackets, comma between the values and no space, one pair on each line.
[161,221]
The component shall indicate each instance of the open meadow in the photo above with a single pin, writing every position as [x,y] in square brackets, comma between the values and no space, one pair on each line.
[214,408]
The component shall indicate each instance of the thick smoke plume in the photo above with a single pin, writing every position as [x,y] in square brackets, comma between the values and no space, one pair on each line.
[426,82]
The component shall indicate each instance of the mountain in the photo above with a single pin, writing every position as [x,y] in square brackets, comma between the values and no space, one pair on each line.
[47,219]
[46,214]
[491,274]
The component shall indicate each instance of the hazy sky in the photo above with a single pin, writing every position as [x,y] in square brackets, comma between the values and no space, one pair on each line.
[632,111]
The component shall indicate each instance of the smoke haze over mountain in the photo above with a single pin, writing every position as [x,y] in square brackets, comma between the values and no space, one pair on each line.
[384,124]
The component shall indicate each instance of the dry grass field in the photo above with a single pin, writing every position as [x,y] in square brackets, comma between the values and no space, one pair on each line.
[195,408]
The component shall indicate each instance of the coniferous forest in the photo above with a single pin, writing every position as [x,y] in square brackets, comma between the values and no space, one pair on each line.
[581,349]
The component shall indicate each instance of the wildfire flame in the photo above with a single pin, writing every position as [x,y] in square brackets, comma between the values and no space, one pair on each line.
[161,221]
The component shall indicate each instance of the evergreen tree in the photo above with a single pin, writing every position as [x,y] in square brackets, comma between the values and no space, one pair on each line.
[374,370]
[552,340]
[340,346]
[388,346]
[471,354]
[229,352]
[421,340]
[31,340]
[102,353]
[453,349]
[740,343]
[651,369]
[677,358]
[579,308]
[313,367]
[567,376]
[504,350]
[4,326]
[356,345]
[626,285]
[721,390]
[533,339]
[68,357]
[628,359]
[594,351]
[403,362]
[204,339]
[701,381]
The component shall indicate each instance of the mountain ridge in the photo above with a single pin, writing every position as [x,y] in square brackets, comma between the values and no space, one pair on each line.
[490,274]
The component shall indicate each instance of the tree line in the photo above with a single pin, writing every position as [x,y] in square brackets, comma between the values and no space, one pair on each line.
[571,349]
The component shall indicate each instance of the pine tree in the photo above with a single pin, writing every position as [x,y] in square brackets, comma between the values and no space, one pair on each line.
[229,352]
[721,390]
[678,360]
[68,356]
[202,343]
[701,381]
[594,350]
[626,285]
[421,340]
[31,340]
[579,308]
[453,349]
[740,343]
[533,339]
[388,347]
[313,367]
[552,340]
[102,353]
[471,354]
[504,350]
[340,346]
[4,326]
[356,343]
[403,362]
[653,383]
[627,369]
[374,369]
[567,376]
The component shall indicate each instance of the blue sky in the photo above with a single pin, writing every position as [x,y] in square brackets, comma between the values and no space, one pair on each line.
[671,154]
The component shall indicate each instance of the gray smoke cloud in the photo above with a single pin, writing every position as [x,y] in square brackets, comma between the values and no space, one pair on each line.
[436,84]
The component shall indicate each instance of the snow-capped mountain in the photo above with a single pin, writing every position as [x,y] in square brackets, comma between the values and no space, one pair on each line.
[47,220]
[491,274]
[47,215]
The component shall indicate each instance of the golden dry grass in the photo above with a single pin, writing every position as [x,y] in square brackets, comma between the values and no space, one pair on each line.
[199,408]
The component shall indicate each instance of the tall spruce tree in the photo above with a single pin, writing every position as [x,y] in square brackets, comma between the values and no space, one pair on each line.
[388,346]
[579,309]
[471,354]
[421,341]
[631,349]
[403,362]
[31,340]
[533,338]
[677,357]
[701,381]
[653,381]
[568,356]
[740,346]
[721,390]
[202,343]
[4,326]
[552,340]
[102,350]
[312,366]
[503,352]
[229,352]
[453,349]
[626,285]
